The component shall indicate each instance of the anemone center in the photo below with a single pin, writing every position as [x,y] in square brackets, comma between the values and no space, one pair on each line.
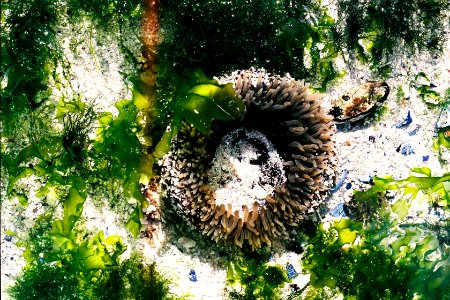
[246,168]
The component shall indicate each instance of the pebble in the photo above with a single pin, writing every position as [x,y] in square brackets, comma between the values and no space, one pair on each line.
[365,179]
[414,131]
[405,122]
[348,186]
[407,149]
[444,118]
[186,243]
[425,158]
[192,275]
[291,272]
[8,238]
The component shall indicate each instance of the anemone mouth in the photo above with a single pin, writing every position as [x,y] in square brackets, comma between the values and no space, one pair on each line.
[252,179]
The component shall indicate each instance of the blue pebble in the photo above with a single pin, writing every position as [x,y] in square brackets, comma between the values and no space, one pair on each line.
[192,276]
[338,211]
[425,158]
[348,185]
[407,149]
[291,271]
[405,122]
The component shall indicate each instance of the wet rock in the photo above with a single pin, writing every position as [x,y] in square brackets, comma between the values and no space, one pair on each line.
[186,244]
[359,102]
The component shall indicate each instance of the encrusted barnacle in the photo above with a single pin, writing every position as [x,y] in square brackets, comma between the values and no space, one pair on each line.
[252,179]
[359,102]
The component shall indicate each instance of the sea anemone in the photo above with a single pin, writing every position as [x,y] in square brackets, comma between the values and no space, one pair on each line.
[254,178]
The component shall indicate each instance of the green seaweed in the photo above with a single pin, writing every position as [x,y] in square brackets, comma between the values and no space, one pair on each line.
[352,260]
[66,263]
[133,280]
[292,37]
[411,186]
[361,270]
[198,101]
[256,278]
[78,119]
[426,92]
[116,155]
[29,52]
[47,282]
[105,13]
[308,39]
[388,256]
[379,31]
[83,269]
[119,155]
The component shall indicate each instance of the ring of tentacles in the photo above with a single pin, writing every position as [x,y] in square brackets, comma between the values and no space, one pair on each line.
[253,179]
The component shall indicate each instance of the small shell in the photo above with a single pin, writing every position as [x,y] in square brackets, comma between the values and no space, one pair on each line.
[359,102]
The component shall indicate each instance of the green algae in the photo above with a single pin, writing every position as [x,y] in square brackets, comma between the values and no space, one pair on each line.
[198,101]
[130,280]
[88,269]
[387,256]
[46,282]
[410,186]
[360,271]
[378,31]
[64,263]
[286,37]
[134,280]
[29,52]
[353,260]
[256,278]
